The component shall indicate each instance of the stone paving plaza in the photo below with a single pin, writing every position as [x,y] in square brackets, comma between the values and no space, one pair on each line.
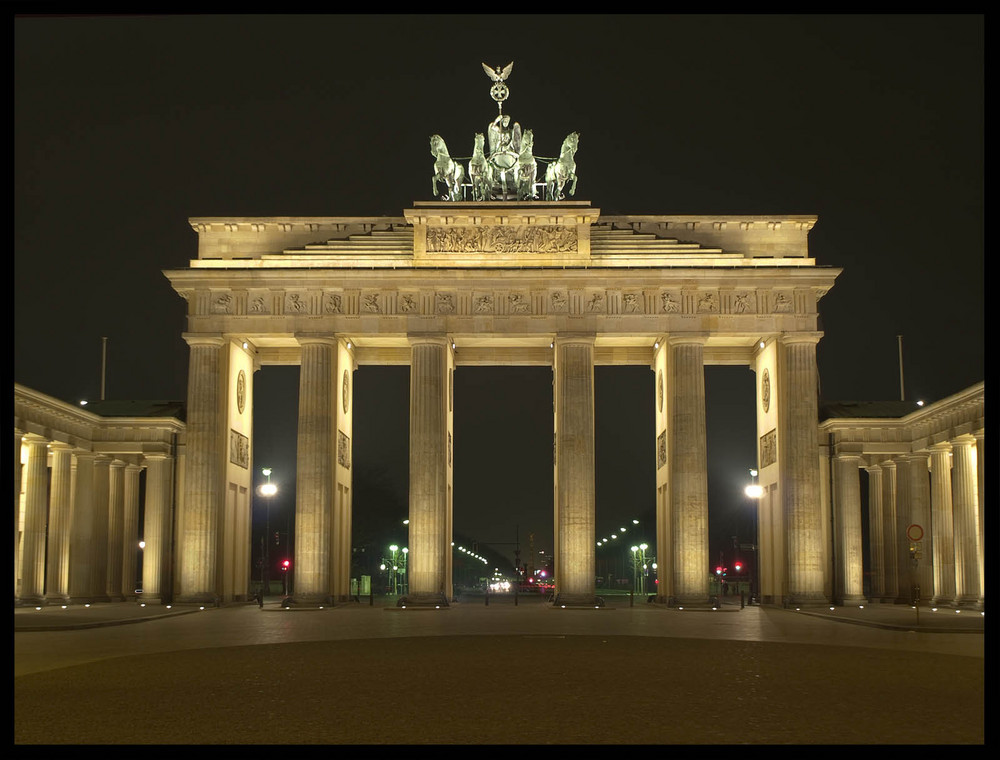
[497,674]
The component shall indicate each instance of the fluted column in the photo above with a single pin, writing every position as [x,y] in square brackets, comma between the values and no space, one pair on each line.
[60,504]
[942,525]
[980,437]
[18,435]
[130,532]
[81,538]
[688,457]
[116,525]
[573,397]
[99,548]
[32,588]
[876,533]
[967,586]
[315,464]
[913,508]
[890,590]
[204,488]
[156,528]
[429,432]
[798,453]
[847,517]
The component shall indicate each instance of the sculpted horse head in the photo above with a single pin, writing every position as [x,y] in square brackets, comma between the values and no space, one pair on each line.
[446,170]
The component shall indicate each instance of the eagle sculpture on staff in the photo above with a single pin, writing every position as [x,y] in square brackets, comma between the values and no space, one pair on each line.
[499,90]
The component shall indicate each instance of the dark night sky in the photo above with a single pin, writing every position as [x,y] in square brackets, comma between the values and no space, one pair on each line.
[127,126]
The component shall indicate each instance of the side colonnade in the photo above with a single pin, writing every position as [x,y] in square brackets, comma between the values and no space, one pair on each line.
[926,502]
[83,483]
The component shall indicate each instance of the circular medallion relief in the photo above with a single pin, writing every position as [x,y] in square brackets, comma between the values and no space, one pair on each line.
[765,390]
[241,391]
[347,389]
[659,388]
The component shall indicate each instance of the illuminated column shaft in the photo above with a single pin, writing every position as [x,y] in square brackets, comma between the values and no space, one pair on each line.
[60,504]
[99,548]
[913,508]
[573,391]
[18,435]
[876,532]
[942,525]
[204,489]
[130,531]
[980,493]
[116,525]
[35,514]
[315,464]
[967,585]
[799,465]
[81,541]
[849,563]
[890,541]
[156,528]
[429,433]
[688,449]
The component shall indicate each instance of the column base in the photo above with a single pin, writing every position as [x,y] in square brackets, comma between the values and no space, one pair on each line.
[426,599]
[694,602]
[308,600]
[806,600]
[852,601]
[577,600]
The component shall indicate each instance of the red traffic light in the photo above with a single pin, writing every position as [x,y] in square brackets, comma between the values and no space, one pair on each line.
[285,564]
[738,566]
[718,570]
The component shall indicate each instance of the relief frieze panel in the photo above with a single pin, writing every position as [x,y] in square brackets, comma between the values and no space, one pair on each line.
[343,450]
[239,449]
[768,448]
[503,239]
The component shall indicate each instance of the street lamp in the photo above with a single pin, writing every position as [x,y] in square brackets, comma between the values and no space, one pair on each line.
[396,565]
[640,566]
[754,492]
[267,490]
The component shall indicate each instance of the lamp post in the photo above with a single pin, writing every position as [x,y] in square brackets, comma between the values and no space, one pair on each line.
[754,491]
[267,490]
[395,565]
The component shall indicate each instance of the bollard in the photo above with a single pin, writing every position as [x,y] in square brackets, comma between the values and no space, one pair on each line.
[631,595]
[742,604]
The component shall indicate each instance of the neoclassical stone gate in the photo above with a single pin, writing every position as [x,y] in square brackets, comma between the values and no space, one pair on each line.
[452,284]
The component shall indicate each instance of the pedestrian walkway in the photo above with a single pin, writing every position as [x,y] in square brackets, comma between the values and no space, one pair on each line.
[886,616]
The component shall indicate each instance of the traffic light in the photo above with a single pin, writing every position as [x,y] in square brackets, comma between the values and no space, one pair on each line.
[738,566]
[285,564]
[718,570]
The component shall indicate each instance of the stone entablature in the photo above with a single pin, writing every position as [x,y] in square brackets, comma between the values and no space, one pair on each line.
[60,422]
[878,438]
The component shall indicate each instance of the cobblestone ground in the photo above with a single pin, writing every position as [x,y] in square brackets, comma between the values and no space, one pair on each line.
[509,689]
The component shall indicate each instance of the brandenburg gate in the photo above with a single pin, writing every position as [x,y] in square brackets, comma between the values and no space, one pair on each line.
[500,269]
[452,284]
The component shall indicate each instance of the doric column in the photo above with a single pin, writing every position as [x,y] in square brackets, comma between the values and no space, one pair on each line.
[890,545]
[847,517]
[942,525]
[204,472]
[60,505]
[573,398]
[913,508]
[99,547]
[429,447]
[980,437]
[130,532]
[798,459]
[876,532]
[81,537]
[36,499]
[967,585]
[116,526]
[315,464]
[688,456]
[18,435]
[156,526]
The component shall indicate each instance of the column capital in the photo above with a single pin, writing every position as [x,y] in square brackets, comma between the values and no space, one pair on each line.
[323,339]
[940,447]
[678,339]
[567,338]
[792,338]
[204,339]
[436,339]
